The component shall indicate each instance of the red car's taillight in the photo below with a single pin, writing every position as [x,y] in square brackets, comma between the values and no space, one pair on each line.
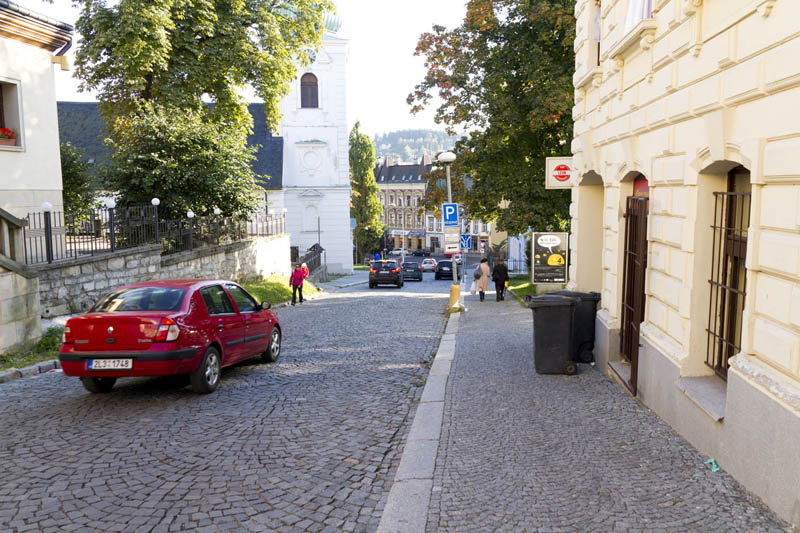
[168,331]
[66,337]
[419,269]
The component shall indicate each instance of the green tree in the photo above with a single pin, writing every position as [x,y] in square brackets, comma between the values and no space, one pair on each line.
[187,162]
[505,74]
[78,193]
[175,52]
[365,206]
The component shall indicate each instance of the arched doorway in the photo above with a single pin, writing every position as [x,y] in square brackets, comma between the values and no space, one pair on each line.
[633,283]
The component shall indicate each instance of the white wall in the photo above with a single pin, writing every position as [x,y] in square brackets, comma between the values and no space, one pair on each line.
[31,174]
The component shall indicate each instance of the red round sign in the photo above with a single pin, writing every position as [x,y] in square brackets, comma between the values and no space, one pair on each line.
[561,173]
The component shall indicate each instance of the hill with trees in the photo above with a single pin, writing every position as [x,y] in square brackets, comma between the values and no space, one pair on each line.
[410,145]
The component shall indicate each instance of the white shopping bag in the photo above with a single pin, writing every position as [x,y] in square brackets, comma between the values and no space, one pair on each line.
[472,288]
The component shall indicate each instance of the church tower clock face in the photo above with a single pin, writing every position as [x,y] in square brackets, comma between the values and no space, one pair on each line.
[312,55]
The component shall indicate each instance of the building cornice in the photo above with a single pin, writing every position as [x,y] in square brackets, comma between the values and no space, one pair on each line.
[28,27]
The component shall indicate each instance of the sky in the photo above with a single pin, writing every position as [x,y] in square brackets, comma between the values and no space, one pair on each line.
[382,69]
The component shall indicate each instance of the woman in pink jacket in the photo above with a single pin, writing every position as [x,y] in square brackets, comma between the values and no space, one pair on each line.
[296,281]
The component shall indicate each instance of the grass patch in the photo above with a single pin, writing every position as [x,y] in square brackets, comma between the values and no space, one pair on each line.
[361,267]
[522,286]
[276,289]
[44,350]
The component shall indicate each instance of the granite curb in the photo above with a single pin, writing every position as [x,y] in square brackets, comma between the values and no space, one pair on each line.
[406,509]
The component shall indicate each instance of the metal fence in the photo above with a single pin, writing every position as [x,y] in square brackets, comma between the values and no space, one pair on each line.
[312,258]
[57,236]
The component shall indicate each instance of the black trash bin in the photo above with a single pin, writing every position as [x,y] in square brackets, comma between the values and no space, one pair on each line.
[552,334]
[583,324]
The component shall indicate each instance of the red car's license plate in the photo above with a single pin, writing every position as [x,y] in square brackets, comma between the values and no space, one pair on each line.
[110,364]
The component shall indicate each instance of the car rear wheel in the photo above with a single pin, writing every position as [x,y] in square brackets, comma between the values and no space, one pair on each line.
[206,378]
[98,385]
[274,348]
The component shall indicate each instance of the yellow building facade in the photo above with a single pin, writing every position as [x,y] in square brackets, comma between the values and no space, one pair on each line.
[686,218]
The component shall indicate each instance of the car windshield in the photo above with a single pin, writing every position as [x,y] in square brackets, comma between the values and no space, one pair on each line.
[141,299]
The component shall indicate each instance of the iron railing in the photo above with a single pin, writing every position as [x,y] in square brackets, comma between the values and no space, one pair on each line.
[56,236]
[728,279]
[312,258]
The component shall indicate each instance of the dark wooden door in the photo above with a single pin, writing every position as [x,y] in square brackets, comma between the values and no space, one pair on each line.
[633,297]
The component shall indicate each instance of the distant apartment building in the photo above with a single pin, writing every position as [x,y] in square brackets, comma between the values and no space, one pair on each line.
[402,190]
[685,218]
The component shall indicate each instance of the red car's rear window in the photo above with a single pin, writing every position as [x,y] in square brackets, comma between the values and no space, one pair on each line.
[141,299]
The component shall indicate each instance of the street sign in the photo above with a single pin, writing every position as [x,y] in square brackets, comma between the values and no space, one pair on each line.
[559,173]
[452,243]
[466,241]
[450,214]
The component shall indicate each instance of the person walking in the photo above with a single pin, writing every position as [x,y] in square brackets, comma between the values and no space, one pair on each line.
[482,282]
[305,270]
[500,278]
[296,281]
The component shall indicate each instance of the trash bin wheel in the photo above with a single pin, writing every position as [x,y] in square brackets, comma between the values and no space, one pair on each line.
[586,356]
[570,369]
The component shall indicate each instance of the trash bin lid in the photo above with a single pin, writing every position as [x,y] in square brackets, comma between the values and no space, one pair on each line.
[551,300]
[580,295]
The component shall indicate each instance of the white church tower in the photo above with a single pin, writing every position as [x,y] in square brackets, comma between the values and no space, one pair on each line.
[316,164]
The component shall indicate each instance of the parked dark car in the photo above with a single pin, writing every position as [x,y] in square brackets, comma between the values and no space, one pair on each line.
[412,270]
[385,272]
[419,253]
[162,328]
[444,269]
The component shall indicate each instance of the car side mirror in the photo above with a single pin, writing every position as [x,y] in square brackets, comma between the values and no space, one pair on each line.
[265,306]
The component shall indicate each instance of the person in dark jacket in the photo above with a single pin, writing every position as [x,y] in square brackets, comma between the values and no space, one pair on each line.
[296,281]
[500,277]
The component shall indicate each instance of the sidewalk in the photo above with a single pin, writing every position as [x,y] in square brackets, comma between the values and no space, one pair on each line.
[524,452]
[358,277]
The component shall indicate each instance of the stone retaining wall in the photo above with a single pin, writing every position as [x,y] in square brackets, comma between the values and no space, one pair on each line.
[19,309]
[73,286]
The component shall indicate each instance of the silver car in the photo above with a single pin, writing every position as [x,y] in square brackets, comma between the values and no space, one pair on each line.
[429,265]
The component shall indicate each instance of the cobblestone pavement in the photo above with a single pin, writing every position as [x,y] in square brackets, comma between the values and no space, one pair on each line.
[526,452]
[308,444]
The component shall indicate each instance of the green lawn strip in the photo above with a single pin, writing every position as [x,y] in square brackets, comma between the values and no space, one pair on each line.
[276,289]
[522,286]
[361,267]
[44,350]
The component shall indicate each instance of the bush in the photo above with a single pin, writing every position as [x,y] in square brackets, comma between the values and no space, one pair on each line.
[183,158]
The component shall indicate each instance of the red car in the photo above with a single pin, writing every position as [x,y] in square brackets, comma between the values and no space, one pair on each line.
[161,328]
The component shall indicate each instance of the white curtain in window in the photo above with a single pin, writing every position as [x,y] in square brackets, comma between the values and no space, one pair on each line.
[638,10]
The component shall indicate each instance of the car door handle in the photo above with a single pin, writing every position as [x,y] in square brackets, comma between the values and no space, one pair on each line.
[220,326]
[247,323]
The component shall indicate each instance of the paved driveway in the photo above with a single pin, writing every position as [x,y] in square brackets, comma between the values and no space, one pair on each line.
[307,444]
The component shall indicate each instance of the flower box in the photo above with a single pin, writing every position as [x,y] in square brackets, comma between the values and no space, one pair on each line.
[8,142]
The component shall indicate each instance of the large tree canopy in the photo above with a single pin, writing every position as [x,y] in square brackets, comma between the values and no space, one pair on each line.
[505,75]
[175,52]
[365,205]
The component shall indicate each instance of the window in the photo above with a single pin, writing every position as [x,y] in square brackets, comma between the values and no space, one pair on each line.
[141,299]
[309,91]
[408,199]
[638,10]
[244,301]
[419,220]
[217,301]
[400,201]
[391,199]
[10,114]
[728,271]
[408,220]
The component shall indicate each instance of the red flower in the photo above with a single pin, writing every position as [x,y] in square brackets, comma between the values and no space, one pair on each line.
[6,133]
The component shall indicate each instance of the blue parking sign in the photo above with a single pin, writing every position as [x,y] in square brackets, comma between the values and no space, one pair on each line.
[450,214]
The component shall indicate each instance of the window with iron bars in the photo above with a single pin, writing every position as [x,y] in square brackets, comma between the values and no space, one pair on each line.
[728,271]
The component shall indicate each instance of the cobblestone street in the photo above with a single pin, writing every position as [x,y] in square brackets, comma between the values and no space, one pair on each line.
[307,444]
[526,452]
